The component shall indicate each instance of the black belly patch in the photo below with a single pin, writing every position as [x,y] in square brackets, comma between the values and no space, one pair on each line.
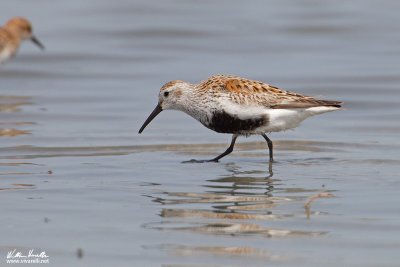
[223,122]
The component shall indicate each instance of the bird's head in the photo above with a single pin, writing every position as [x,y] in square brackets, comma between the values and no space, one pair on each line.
[23,29]
[169,97]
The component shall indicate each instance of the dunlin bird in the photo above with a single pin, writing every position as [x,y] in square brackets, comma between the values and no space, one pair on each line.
[230,104]
[12,33]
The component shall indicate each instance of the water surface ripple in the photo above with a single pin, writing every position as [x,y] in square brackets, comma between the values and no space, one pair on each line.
[77,181]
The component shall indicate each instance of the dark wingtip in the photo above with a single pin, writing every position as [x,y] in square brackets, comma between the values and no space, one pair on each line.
[335,104]
[309,104]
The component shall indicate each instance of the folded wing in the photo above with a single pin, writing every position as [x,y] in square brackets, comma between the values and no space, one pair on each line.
[270,96]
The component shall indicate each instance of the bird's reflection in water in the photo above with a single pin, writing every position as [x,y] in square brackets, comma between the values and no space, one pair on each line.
[9,107]
[241,195]
[240,253]
[243,203]
[246,182]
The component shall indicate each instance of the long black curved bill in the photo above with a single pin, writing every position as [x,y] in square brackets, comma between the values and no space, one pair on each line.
[155,112]
[37,42]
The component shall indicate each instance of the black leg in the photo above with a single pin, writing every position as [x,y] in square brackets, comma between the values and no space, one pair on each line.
[270,147]
[228,151]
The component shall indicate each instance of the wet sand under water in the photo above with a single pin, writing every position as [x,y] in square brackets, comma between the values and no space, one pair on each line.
[77,181]
[142,201]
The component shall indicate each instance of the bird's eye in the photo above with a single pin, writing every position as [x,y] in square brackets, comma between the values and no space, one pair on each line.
[166,94]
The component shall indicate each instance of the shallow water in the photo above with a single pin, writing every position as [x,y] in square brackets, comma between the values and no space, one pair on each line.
[74,173]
